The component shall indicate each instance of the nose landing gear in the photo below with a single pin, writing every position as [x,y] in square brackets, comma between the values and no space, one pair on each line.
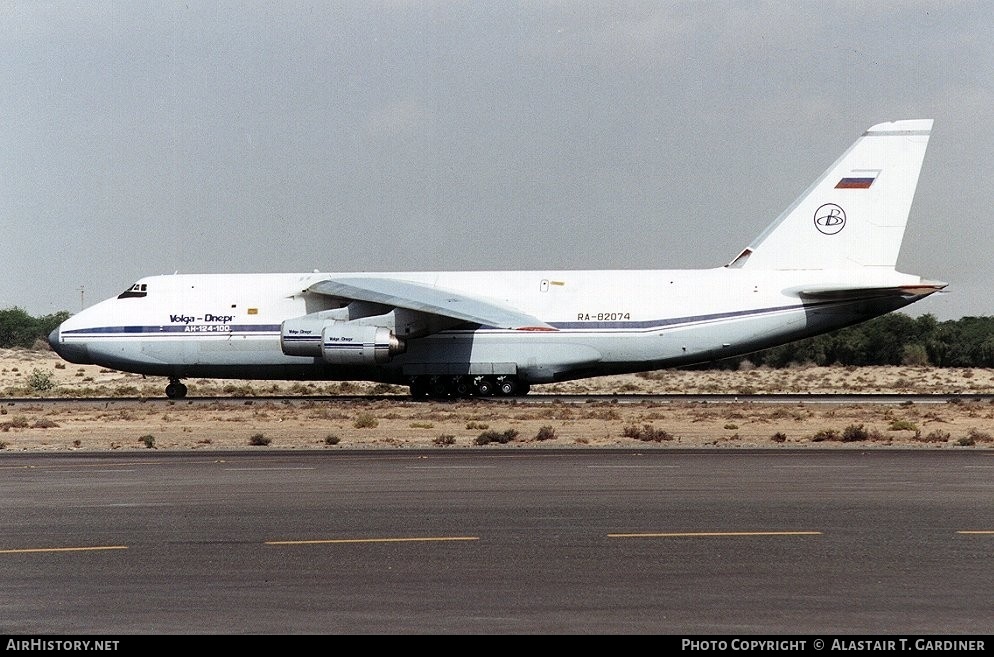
[175,389]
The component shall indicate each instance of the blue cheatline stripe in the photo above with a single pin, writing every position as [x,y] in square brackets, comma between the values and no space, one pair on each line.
[592,326]
[181,329]
[674,321]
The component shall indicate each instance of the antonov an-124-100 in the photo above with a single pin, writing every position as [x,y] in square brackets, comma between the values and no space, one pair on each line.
[828,261]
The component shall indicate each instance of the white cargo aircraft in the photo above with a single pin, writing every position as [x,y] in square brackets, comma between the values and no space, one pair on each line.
[828,261]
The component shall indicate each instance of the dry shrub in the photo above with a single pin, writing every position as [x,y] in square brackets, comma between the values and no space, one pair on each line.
[16,422]
[937,436]
[978,436]
[646,433]
[607,414]
[366,421]
[546,433]
[259,440]
[823,435]
[855,433]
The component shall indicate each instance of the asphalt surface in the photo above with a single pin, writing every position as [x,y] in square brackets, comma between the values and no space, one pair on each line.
[831,543]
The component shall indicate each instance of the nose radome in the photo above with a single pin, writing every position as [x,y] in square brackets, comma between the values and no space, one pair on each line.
[74,353]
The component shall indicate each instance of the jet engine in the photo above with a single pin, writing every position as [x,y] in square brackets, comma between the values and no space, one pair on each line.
[339,343]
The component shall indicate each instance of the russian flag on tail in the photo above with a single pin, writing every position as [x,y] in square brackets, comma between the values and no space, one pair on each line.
[858,180]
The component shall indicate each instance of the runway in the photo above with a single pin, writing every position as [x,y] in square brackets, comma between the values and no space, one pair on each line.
[516,542]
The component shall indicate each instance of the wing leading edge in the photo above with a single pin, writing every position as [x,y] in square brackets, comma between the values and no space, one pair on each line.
[428,299]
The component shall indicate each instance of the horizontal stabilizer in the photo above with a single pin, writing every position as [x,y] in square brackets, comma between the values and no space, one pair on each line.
[427,299]
[922,289]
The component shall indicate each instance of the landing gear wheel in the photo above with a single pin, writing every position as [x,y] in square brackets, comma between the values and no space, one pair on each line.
[507,386]
[175,390]
[438,387]
[485,386]
[461,387]
[419,388]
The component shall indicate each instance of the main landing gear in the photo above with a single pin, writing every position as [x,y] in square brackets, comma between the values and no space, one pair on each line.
[443,387]
[175,389]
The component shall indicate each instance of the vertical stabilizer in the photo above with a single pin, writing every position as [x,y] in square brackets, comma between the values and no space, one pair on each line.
[855,214]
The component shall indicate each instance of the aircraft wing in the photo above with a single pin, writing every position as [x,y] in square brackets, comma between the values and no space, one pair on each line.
[428,299]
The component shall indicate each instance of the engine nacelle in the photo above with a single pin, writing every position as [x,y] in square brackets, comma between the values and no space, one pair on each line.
[301,336]
[344,343]
[339,343]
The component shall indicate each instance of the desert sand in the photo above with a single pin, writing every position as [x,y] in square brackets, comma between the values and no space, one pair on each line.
[253,415]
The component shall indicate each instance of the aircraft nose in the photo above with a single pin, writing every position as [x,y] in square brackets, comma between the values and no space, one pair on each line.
[72,352]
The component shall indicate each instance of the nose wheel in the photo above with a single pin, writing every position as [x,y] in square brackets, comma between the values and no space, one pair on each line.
[175,389]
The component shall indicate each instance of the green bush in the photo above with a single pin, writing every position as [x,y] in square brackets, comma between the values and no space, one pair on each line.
[19,329]
[149,441]
[40,380]
[493,436]
[855,433]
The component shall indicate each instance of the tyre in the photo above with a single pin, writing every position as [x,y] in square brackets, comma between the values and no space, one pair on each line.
[485,387]
[175,391]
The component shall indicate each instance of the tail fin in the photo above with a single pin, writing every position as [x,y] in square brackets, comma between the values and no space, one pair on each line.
[855,214]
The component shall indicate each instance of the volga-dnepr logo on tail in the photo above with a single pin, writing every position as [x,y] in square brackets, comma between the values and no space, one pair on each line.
[830,219]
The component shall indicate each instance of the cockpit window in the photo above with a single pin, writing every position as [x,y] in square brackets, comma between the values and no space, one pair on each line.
[136,290]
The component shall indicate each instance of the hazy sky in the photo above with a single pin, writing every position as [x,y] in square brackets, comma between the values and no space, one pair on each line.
[154,137]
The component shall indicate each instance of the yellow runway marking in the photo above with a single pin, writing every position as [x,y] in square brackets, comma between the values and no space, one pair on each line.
[66,549]
[375,540]
[709,534]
